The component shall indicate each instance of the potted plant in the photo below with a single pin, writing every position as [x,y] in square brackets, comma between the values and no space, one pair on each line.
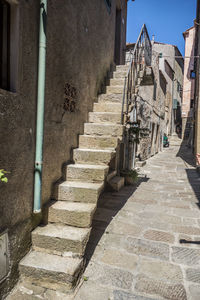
[130,176]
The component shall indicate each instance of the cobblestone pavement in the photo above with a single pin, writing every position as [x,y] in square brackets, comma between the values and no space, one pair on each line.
[146,240]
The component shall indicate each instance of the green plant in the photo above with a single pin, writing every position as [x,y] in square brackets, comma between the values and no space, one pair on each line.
[3,177]
[133,174]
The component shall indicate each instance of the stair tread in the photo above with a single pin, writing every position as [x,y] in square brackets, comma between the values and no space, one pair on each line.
[73,206]
[105,113]
[51,262]
[99,137]
[62,231]
[80,184]
[104,124]
[88,166]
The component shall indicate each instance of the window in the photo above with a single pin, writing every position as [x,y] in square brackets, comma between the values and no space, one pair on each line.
[191,103]
[192,74]
[9,33]
[5,44]
[108,4]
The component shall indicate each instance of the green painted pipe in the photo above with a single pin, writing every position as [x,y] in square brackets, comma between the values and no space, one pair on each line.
[40,108]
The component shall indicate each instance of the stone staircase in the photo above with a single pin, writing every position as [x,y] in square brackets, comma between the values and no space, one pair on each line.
[56,258]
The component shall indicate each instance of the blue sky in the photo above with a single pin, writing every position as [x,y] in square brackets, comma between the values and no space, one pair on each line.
[167,19]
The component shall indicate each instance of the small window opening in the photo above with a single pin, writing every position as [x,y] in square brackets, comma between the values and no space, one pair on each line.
[9,33]
[108,4]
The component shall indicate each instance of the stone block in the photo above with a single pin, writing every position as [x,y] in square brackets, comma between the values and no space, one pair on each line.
[92,291]
[120,259]
[109,276]
[159,236]
[71,213]
[122,295]
[103,129]
[105,117]
[194,291]
[186,256]
[147,248]
[187,230]
[125,228]
[193,275]
[50,271]
[59,239]
[88,173]
[107,107]
[97,142]
[160,288]
[160,270]
[77,191]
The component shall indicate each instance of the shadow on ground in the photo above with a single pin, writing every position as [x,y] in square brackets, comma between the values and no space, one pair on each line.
[109,204]
[187,156]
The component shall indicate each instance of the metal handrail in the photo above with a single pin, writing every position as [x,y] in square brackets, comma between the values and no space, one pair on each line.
[140,55]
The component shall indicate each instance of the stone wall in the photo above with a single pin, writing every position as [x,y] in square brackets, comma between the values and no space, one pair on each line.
[80,52]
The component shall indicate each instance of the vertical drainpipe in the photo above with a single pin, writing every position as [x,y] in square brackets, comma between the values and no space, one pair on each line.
[40,108]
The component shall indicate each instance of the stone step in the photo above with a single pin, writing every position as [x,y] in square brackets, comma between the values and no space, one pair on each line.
[117,81]
[50,271]
[117,89]
[86,172]
[93,156]
[60,239]
[116,183]
[111,175]
[77,191]
[119,74]
[97,142]
[71,213]
[104,117]
[116,98]
[103,129]
[107,107]
[122,67]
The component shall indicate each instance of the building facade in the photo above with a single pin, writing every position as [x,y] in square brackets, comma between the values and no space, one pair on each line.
[188,84]
[159,97]
[84,40]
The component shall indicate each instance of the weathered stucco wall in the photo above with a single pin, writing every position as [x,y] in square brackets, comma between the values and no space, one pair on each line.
[80,51]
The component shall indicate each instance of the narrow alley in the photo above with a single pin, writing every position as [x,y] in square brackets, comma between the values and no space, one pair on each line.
[146,242]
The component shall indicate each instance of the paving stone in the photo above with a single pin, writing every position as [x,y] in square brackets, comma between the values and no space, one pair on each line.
[161,236]
[125,228]
[121,295]
[92,291]
[186,256]
[186,212]
[160,270]
[165,290]
[147,248]
[193,275]
[194,292]
[109,276]
[120,259]
[187,230]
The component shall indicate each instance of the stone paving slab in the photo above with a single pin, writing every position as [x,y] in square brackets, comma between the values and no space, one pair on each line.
[149,246]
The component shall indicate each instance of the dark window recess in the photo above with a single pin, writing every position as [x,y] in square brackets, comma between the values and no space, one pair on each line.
[192,74]
[108,4]
[4,45]
[154,91]
[191,103]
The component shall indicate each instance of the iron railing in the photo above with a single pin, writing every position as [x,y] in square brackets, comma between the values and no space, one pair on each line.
[139,57]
